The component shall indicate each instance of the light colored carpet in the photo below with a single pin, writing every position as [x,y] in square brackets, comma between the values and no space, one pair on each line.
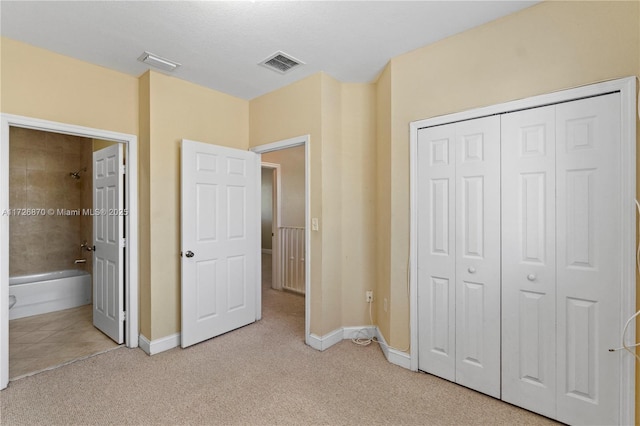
[260,374]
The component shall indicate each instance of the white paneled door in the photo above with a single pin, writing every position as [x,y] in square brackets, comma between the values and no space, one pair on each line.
[108,242]
[436,251]
[220,240]
[478,254]
[529,259]
[589,265]
[459,253]
[522,211]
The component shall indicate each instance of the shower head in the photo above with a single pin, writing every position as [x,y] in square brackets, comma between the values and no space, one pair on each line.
[76,175]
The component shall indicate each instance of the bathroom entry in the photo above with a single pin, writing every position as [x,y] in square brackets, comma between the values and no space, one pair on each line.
[51,248]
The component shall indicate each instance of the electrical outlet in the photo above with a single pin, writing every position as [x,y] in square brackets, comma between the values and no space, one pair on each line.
[369,296]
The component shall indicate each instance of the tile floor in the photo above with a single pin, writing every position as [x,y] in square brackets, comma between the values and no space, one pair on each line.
[43,341]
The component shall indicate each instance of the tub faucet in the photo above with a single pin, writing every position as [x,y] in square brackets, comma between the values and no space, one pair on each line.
[80,261]
[85,246]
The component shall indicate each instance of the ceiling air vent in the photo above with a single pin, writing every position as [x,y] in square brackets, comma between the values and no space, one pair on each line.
[281,62]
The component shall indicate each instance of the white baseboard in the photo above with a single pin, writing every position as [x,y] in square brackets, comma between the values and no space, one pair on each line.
[394,356]
[267,251]
[315,341]
[326,341]
[159,345]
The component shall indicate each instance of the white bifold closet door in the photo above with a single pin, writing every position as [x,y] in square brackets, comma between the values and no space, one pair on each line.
[589,265]
[529,259]
[459,253]
[561,260]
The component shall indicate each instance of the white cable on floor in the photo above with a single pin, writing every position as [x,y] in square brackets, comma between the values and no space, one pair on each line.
[365,341]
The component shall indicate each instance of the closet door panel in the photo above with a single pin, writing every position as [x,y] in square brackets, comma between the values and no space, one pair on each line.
[477,154]
[588,260]
[528,259]
[436,251]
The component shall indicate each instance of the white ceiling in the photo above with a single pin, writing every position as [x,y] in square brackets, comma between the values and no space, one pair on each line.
[219,43]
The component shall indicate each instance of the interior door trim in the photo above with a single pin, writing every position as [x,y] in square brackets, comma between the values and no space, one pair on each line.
[131,220]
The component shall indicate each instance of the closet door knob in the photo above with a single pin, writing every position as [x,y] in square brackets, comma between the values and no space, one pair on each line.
[531,277]
[471,270]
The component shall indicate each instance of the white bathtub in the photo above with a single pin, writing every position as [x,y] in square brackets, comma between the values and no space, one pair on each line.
[49,292]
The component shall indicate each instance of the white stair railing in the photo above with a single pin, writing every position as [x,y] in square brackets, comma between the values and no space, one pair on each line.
[292,257]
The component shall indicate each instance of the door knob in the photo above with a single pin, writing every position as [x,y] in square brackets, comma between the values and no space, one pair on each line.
[531,277]
[471,270]
[189,254]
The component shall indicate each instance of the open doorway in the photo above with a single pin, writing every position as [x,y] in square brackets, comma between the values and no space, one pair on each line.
[287,219]
[51,270]
[50,206]
[269,220]
[286,248]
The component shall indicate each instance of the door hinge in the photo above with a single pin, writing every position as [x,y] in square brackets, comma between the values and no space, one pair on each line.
[123,242]
[123,316]
[122,169]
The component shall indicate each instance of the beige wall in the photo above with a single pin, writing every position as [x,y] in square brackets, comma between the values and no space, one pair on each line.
[548,47]
[383,200]
[42,84]
[39,168]
[291,162]
[358,185]
[178,110]
[331,218]
[144,202]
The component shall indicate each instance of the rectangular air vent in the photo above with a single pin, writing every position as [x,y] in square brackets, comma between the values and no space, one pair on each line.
[281,62]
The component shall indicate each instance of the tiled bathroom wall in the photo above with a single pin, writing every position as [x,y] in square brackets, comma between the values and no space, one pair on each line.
[39,178]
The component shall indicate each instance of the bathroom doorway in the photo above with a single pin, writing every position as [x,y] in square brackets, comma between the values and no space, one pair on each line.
[51,224]
[57,220]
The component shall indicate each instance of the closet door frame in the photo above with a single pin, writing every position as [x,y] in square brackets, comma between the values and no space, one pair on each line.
[627,89]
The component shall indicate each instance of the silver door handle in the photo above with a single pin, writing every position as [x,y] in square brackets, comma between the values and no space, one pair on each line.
[189,254]
[471,270]
[531,277]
